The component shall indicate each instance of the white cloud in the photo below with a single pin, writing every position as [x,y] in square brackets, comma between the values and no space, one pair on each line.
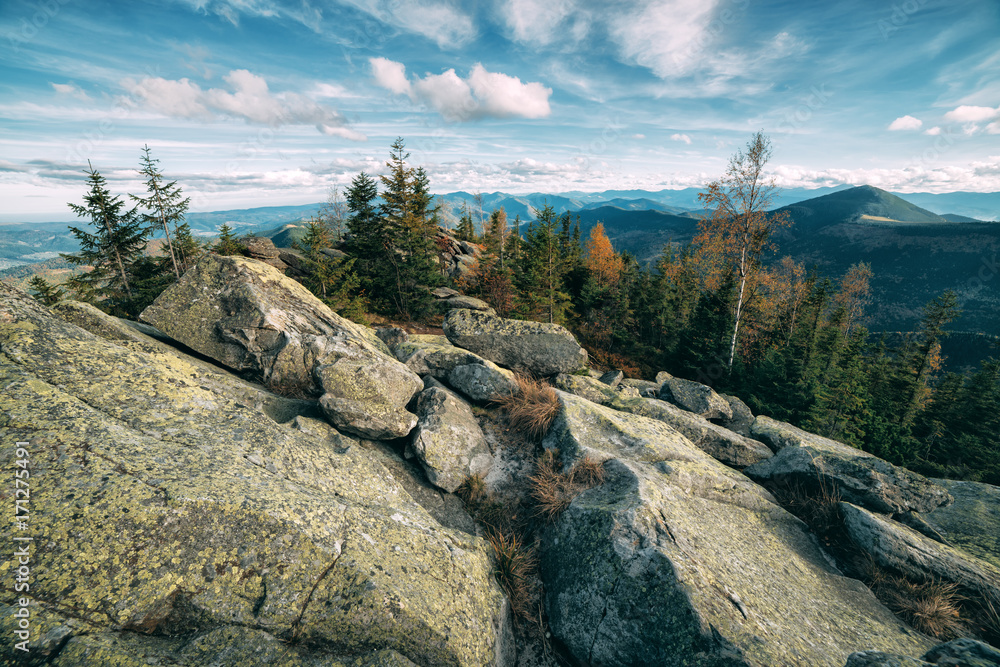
[666,36]
[390,75]
[906,123]
[681,137]
[971,114]
[71,89]
[919,176]
[483,94]
[445,23]
[993,128]
[538,21]
[250,100]
[231,10]
[933,131]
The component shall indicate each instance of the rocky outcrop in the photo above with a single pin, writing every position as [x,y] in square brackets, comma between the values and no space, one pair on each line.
[645,388]
[263,250]
[742,418]
[456,257]
[723,445]
[971,523]
[477,378]
[857,476]
[250,317]
[448,441]
[918,557]
[184,527]
[677,560]
[527,347]
[963,652]
[612,378]
[695,397]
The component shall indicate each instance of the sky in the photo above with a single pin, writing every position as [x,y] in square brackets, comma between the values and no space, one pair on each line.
[264,102]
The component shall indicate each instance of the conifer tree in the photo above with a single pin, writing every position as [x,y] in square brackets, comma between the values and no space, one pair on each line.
[466,230]
[543,269]
[227,243]
[164,204]
[44,291]
[119,241]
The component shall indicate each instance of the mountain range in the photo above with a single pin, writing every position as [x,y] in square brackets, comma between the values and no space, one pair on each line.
[915,252]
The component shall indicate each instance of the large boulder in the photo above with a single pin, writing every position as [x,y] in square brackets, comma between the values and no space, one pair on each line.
[857,476]
[695,397]
[527,347]
[250,317]
[920,558]
[448,441]
[963,652]
[175,517]
[678,560]
[730,448]
[972,522]
[479,379]
[149,340]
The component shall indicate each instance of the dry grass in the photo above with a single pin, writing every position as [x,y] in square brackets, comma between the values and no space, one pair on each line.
[473,490]
[516,571]
[554,490]
[933,608]
[817,505]
[533,408]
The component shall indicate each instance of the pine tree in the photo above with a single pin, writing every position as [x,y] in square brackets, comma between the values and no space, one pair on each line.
[44,291]
[466,230]
[227,243]
[405,203]
[164,204]
[920,360]
[186,247]
[541,278]
[333,281]
[112,251]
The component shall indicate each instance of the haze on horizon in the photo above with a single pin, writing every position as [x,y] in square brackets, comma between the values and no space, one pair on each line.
[271,102]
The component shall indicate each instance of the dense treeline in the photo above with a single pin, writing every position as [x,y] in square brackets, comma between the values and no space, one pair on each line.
[788,341]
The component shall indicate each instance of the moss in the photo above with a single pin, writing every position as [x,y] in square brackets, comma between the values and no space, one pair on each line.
[171,509]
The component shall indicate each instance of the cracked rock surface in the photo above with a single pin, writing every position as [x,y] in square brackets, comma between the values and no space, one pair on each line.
[678,560]
[179,522]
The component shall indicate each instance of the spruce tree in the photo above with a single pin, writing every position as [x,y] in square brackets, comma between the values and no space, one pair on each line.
[227,243]
[44,291]
[164,205]
[118,243]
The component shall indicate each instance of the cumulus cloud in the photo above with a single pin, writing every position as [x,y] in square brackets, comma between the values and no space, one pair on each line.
[906,123]
[933,131]
[249,99]
[681,137]
[993,128]
[483,94]
[919,176]
[971,114]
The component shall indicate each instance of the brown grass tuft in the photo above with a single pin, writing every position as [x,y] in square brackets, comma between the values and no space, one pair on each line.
[554,490]
[932,607]
[473,490]
[516,567]
[533,408]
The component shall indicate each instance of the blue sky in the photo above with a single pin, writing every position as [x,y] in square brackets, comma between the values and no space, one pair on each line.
[260,102]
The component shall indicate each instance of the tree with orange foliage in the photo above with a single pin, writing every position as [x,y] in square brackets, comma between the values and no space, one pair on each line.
[853,295]
[603,263]
[740,226]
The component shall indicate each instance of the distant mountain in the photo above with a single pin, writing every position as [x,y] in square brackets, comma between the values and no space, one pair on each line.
[643,204]
[951,217]
[978,205]
[249,219]
[863,204]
